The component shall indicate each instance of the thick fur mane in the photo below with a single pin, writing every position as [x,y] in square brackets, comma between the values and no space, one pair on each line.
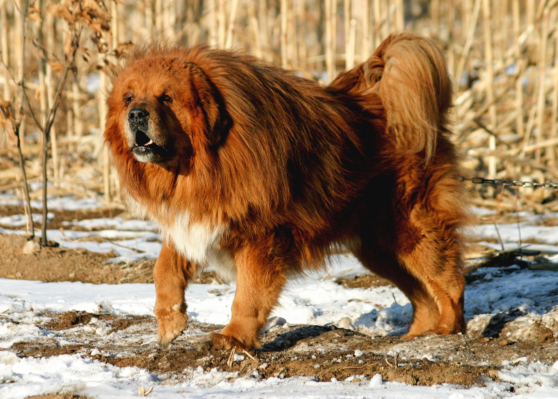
[258,169]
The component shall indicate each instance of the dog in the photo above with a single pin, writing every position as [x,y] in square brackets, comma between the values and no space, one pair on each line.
[263,175]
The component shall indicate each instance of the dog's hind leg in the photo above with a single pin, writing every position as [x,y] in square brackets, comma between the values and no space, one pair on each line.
[171,274]
[425,310]
[435,261]
[260,279]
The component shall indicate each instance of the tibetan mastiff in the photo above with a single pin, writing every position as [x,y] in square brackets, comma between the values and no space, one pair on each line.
[263,175]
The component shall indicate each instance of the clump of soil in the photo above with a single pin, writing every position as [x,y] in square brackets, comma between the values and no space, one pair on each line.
[366,281]
[69,320]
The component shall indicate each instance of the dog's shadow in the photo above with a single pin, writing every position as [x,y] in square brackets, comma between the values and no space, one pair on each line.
[499,320]
[291,338]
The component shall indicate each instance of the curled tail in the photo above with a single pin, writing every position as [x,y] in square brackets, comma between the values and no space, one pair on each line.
[409,74]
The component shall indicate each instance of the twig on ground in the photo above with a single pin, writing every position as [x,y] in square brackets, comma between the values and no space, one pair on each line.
[231,357]
[394,365]
[124,246]
[143,392]
[327,276]
[250,356]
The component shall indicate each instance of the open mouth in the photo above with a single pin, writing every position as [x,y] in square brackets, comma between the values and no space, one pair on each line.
[142,140]
[146,150]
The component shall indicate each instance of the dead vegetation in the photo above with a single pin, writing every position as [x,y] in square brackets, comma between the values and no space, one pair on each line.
[502,55]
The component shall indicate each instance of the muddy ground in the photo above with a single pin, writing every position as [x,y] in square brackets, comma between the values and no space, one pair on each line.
[321,352]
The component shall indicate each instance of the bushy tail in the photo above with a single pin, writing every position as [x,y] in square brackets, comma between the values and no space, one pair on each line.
[410,75]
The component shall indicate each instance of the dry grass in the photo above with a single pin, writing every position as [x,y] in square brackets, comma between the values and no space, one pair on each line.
[502,54]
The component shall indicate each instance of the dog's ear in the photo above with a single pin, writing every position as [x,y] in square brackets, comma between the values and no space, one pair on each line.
[217,119]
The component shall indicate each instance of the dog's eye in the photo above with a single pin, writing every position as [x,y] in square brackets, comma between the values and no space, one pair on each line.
[165,99]
[128,98]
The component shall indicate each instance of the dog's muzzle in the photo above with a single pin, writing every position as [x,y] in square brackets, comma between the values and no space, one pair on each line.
[144,148]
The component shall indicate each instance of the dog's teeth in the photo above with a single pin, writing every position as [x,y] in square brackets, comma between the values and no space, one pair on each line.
[149,143]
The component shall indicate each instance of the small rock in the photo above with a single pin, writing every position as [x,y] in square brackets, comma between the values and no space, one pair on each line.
[504,342]
[31,247]
[279,373]
[409,379]
[345,323]
[273,322]
[493,374]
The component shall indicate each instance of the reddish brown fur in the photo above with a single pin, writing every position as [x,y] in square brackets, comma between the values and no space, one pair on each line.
[282,169]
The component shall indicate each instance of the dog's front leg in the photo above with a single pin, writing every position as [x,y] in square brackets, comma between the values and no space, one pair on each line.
[171,274]
[260,279]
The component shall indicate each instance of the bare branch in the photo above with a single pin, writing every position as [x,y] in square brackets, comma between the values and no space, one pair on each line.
[22,85]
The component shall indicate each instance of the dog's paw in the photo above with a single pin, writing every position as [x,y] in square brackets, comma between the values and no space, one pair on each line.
[440,330]
[225,342]
[421,335]
[171,324]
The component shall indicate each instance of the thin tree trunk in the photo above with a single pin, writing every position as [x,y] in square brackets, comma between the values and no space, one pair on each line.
[365,51]
[346,28]
[222,23]
[490,84]
[264,28]
[400,16]
[50,88]
[302,35]
[232,20]
[22,24]
[212,29]
[542,77]
[159,26]
[377,22]
[284,40]
[519,64]
[330,40]
[149,18]
[6,92]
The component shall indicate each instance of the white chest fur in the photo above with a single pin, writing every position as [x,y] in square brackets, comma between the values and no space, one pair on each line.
[198,242]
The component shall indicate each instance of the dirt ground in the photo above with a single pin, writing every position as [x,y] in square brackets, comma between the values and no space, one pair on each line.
[321,352]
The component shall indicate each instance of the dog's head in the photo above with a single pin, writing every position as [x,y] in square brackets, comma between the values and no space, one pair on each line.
[164,107]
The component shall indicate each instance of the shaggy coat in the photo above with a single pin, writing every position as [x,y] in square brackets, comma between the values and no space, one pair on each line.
[262,174]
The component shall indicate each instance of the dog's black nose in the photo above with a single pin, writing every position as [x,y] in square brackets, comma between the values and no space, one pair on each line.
[138,115]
